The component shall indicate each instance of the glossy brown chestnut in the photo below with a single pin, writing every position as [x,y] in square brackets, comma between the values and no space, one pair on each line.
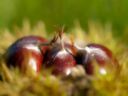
[60,60]
[25,52]
[99,54]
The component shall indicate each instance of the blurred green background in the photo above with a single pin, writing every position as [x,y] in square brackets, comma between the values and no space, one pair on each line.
[64,12]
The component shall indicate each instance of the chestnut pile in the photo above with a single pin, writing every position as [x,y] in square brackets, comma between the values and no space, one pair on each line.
[38,53]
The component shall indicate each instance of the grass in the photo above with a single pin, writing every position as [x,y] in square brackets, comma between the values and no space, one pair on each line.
[58,12]
[14,83]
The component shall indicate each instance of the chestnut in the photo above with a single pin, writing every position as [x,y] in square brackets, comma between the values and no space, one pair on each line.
[26,52]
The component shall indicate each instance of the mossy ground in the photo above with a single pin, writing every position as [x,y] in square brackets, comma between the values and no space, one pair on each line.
[14,83]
